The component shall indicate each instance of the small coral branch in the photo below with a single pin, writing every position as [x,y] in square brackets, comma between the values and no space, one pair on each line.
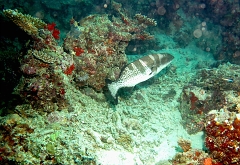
[184,144]
[142,19]
[26,22]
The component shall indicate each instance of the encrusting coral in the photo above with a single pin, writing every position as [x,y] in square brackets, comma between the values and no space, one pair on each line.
[222,137]
[42,83]
[190,156]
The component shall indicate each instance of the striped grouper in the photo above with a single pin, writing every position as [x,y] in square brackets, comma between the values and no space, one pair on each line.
[140,70]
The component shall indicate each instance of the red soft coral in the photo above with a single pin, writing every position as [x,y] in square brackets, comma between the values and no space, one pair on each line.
[55,32]
[69,70]
[51,26]
[78,51]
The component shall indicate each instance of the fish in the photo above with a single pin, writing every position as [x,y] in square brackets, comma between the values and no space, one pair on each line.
[139,71]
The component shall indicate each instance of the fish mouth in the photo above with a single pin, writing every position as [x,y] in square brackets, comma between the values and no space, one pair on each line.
[169,56]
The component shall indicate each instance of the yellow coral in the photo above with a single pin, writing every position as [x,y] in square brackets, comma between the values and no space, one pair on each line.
[26,22]
[45,55]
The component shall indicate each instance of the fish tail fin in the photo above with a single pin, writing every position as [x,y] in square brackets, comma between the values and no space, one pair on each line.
[113,88]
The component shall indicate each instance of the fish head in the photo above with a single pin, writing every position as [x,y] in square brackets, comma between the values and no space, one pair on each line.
[157,62]
[164,60]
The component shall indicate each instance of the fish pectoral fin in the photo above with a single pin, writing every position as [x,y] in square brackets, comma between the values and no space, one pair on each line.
[153,69]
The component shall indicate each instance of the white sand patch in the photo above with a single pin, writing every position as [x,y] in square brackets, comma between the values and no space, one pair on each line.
[113,157]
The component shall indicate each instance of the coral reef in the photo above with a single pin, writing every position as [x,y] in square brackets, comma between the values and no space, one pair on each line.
[14,133]
[215,22]
[222,137]
[190,156]
[98,44]
[25,144]
[210,90]
[41,85]
[96,55]
[93,51]
[69,127]
[212,102]
[225,14]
